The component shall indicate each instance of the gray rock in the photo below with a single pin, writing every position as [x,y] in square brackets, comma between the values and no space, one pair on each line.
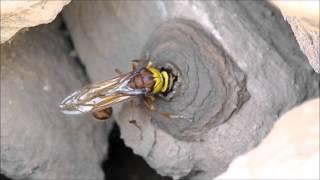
[239,68]
[308,41]
[37,140]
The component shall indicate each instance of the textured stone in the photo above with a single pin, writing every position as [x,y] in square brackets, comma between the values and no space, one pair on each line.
[303,17]
[16,15]
[239,69]
[290,151]
[308,41]
[37,140]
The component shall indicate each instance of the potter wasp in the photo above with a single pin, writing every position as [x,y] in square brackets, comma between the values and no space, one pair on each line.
[144,80]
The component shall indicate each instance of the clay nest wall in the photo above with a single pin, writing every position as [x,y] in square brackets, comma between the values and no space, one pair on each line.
[238,69]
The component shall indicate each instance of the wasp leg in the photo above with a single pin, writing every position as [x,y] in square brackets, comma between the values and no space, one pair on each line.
[149,102]
[135,63]
[134,122]
[118,71]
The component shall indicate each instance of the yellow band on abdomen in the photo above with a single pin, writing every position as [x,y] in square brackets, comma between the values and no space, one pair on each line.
[165,76]
[157,77]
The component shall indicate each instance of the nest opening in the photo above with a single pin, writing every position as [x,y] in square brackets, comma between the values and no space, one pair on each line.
[173,70]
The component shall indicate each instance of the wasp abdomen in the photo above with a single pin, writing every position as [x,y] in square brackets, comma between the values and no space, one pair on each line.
[103,114]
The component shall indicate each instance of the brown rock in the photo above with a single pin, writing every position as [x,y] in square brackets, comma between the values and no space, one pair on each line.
[16,15]
[290,151]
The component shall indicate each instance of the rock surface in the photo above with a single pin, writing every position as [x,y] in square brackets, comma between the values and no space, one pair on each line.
[16,15]
[123,164]
[308,41]
[37,140]
[303,18]
[244,51]
[290,151]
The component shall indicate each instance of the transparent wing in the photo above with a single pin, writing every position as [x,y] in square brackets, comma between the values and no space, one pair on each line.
[100,95]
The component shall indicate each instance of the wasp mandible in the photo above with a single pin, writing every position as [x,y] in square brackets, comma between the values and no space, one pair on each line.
[144,80]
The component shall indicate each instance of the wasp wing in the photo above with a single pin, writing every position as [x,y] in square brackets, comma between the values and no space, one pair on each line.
[100,95]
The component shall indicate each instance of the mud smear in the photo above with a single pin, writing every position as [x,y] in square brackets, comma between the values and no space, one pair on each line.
[212,86]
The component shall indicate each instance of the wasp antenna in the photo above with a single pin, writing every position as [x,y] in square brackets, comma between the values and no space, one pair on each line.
[136,60]
[139,61]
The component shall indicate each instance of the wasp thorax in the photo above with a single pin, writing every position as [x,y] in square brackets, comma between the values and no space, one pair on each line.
[142,80]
